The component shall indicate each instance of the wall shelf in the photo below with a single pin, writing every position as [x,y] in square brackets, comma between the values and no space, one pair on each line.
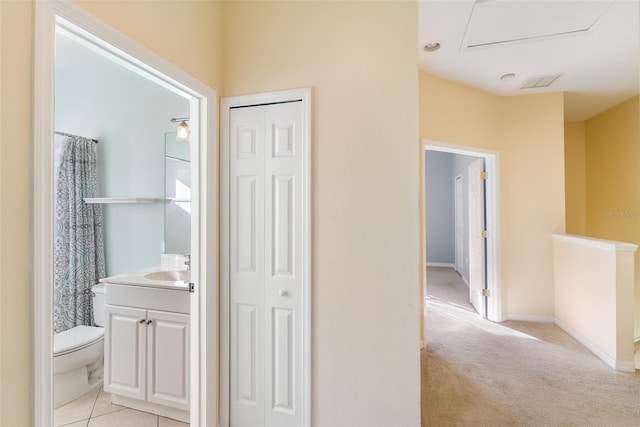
[105,200]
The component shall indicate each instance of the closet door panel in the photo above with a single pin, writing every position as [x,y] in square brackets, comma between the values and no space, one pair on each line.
[283,281]
[247,269]
[266,238]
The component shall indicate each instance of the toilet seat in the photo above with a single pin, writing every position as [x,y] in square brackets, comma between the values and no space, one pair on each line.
[75,339]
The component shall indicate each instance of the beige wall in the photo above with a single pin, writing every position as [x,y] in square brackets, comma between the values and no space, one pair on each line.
[152,24]
[532,199]
[1,104]
[360,60]
[613,173]
[359,57]
[458,114]
[185,33]
[15,203]
[528,133]
[613,179]
[575,183]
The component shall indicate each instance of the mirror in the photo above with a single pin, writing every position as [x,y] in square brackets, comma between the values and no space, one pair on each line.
[177,193]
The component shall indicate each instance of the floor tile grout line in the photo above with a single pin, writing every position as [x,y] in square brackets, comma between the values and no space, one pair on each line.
[87,421]
[94,403]
[75,412]
[106,413]
[119,410]
[74,422]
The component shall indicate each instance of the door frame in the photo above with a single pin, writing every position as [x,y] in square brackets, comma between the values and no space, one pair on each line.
[492,217]
[227,104]
[458,262]
[49,15]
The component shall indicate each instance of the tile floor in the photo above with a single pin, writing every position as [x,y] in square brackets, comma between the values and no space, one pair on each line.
[95,409]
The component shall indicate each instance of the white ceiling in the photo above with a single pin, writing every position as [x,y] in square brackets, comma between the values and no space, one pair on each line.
[593,44]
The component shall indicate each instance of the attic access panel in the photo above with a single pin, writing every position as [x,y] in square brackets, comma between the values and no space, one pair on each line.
[493,22]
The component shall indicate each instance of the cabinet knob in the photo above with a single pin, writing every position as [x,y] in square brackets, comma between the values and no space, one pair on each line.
[149,322]
[283,292]
[141,321]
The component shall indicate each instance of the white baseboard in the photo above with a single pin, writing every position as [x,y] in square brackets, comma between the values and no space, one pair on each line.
[528,318]
[440,264]
[608,360]
[464,279]
[625,366]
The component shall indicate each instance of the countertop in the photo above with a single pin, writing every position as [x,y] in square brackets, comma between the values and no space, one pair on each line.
[138,279]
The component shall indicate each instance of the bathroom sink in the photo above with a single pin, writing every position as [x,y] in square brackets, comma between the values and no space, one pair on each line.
[169,276]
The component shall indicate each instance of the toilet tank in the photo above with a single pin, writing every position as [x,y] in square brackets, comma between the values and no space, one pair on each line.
[98,304]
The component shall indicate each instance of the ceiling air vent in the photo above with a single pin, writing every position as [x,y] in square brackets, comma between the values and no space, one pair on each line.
[540,81]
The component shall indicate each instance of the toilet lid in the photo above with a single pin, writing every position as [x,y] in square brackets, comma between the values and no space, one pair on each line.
[77,337]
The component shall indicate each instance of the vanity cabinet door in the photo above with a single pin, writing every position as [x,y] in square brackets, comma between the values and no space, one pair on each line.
[125,339]
[168,359]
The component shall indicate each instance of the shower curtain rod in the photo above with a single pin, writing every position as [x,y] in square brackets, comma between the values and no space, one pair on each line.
[68,134]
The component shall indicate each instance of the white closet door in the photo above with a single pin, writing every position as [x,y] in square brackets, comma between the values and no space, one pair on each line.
[247,272]
[266,210]
[283,243]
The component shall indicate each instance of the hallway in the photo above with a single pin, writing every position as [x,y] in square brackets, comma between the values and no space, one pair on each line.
[475,372]
[445,284]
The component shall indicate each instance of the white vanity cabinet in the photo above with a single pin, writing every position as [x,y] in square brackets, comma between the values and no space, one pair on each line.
[147,349]
[168,359]
[125,351]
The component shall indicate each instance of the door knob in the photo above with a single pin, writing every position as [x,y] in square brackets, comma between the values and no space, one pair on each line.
[283,292]
[141,321]
[149,322]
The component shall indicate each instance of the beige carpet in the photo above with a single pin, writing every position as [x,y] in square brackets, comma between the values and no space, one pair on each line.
[478,373]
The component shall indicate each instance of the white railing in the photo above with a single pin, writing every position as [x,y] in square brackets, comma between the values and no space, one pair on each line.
[594,296]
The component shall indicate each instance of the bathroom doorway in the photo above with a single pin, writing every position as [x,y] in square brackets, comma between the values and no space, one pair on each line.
[53,19]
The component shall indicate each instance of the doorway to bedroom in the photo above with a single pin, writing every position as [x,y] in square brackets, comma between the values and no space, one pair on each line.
[461,230]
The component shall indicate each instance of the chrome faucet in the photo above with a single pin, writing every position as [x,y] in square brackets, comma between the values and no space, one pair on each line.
[187,261]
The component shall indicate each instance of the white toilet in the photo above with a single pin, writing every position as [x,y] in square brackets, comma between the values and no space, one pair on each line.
[78,355]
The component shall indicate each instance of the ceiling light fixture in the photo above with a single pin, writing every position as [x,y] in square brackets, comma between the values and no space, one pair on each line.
[431,46]
[183,132]
[507,77]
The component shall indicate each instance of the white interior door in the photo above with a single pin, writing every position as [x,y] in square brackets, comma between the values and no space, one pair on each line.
[476,240]
[459,225]
[266,285]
